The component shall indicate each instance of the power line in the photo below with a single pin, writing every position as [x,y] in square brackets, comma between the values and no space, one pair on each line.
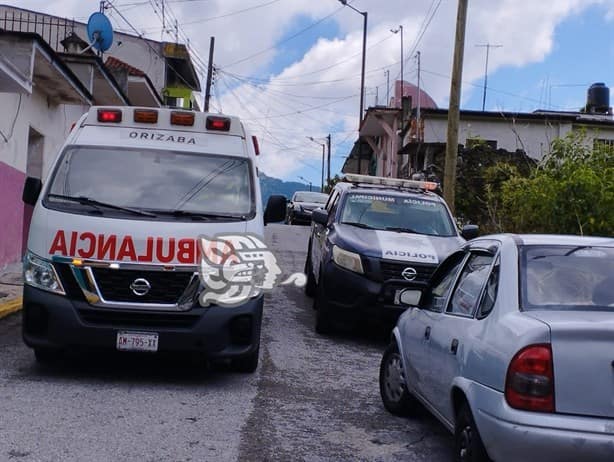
[287,39]
[200,21]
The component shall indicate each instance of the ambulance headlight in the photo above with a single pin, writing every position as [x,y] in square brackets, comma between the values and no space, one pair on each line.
[41,274]
[348,260]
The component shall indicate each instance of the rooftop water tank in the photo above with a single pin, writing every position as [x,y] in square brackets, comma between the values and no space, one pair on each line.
[598,98]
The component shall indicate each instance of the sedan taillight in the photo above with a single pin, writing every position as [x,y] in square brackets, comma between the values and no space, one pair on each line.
[530,379]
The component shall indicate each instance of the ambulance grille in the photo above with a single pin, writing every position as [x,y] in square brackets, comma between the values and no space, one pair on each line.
[393,270]
[166,286]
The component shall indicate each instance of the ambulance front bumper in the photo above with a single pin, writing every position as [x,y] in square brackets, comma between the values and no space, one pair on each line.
[59,322]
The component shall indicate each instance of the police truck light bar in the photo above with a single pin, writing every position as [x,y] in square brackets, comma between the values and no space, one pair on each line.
[393,182]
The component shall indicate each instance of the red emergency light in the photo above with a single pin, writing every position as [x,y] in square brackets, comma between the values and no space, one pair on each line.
[109,115]
[221,124]
[256,145]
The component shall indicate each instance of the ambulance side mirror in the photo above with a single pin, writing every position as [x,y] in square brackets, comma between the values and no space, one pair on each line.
[31,190]
[275,209]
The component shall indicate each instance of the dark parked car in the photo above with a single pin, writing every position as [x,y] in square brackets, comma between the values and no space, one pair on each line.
[302,204]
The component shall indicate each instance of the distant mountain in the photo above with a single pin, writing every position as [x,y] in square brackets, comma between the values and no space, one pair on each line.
[270,186]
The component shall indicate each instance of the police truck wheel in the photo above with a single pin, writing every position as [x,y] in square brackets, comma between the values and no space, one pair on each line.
[46,355]
[310,287]
[397,400]
[247,364]
[323,318]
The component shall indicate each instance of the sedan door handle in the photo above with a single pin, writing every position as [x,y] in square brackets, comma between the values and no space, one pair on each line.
[454,346]
[427,333]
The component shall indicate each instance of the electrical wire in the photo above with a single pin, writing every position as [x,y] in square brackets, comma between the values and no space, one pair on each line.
[234,13]
[287,39]
[10,135]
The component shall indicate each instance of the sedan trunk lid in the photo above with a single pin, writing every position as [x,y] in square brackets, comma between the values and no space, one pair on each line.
[583,357]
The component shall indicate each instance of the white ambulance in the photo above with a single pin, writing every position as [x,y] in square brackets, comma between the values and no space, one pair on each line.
[113,254]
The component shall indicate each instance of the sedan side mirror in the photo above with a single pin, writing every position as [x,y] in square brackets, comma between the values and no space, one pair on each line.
[320,216]
[470,231]
[411,297]
[275,210]
[31,190]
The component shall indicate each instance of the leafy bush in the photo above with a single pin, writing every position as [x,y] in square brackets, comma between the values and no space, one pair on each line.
[570,192]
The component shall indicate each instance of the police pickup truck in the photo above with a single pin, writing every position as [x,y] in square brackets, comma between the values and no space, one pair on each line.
[372,236]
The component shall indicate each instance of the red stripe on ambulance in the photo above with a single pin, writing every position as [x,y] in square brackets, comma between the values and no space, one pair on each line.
[122,248]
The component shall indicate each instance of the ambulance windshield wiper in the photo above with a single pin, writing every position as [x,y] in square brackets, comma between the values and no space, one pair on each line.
[199,215]
[87,201]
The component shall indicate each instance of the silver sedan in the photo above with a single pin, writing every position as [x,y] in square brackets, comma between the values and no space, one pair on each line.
[511,347]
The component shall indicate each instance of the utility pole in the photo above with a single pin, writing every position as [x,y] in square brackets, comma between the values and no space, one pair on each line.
[488,46]
[322,182]
[418,107]
[449,181]
[362,74]
[209,75]
[394,31]
[163,22]
[387,87]
[328,176]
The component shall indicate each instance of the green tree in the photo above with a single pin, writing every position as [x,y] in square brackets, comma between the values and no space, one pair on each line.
[570,192]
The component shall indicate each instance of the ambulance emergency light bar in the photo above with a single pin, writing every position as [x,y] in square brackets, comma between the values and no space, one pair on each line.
[150,116]
[391,182]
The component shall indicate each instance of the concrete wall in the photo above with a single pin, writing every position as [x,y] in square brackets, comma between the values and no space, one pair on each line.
[534,137]
[53,122]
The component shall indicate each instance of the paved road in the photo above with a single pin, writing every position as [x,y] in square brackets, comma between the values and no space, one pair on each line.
[313,398]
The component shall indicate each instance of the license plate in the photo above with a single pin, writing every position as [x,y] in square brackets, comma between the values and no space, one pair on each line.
[137,341]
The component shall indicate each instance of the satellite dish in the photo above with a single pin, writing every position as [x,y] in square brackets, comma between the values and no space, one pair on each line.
[100,32]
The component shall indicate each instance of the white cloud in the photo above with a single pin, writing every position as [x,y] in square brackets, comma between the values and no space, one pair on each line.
[281,110]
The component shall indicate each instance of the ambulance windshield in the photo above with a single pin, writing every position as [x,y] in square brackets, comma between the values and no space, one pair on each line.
[162,182]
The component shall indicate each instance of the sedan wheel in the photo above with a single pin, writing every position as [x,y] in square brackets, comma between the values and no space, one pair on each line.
[467,441]
[397,400]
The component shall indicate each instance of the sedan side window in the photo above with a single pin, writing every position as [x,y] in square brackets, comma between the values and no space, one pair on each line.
[467,292]
[490,292]
[436,298]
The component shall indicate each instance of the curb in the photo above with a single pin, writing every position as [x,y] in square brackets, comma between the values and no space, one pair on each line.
[10,307]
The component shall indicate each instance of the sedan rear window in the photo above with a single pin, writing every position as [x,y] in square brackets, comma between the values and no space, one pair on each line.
[561,277]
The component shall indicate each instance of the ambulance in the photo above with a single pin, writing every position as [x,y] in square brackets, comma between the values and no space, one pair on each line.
[113,254]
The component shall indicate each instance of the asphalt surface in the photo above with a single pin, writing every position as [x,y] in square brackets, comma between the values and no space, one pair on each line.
[313,398]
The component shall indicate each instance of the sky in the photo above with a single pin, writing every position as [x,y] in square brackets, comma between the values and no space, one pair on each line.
[291,68]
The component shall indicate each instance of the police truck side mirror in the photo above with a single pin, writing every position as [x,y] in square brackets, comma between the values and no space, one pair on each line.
[320,216]
[470,231]
[31,190]
[275,209]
